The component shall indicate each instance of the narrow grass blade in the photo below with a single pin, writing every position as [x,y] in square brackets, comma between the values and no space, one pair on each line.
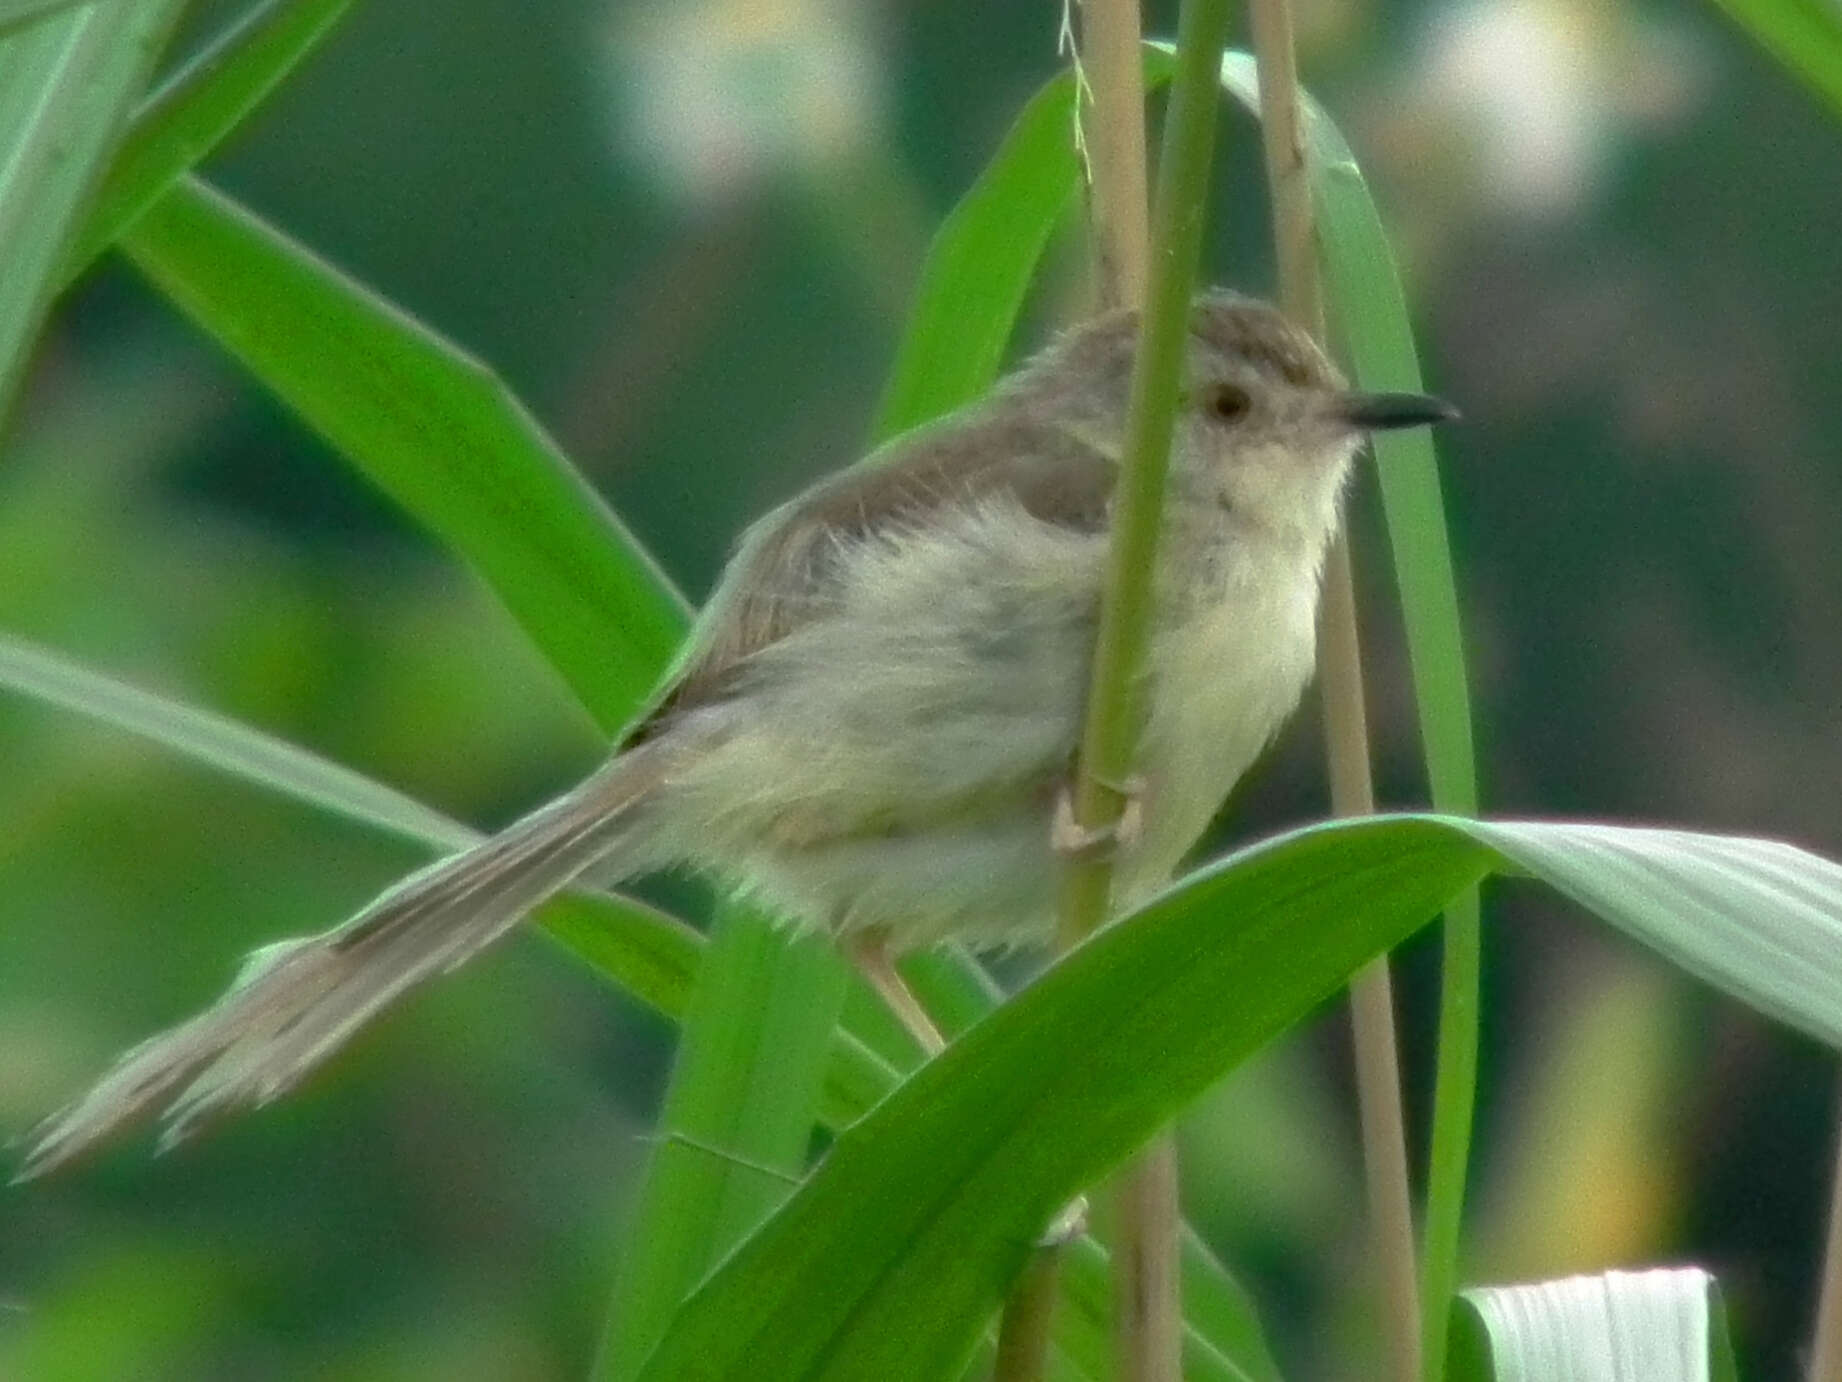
[225,745]
[737,1121]
[1665,1325]
[68,77]
[1363,288]
[432,427]
[179,126]
[981,264]
[1804,35]
[984,258]
[890,1259]
[646,953]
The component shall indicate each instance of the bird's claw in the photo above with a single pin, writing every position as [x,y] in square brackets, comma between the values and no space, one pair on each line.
[1072,840]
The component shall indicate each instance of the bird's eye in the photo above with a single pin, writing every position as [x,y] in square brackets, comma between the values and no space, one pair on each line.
[1228,402]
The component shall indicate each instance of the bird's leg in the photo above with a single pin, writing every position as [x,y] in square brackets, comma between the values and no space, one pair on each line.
[869,950]
[1072,840]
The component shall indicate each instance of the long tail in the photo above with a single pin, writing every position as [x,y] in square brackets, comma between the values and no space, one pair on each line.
[296,1002]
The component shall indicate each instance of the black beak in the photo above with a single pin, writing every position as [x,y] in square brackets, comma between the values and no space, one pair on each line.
[1379,412]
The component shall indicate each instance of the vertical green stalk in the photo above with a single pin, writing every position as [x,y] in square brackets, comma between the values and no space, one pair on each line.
[1346,732]
[1151,1338]
[1109,100]
[1147,1291]
[1111,732]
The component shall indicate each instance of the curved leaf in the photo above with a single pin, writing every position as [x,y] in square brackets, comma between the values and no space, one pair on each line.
[1370,309]
[891,1258]
[431,426]
[984,258]
[191,114]
[1663,1325]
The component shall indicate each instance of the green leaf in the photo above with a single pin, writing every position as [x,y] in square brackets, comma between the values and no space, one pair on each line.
[17,13]
[196,110]
[433,428]
[1804,35]
[67,78]
[981,264]
[1666,1325]
[891,1258]
[1222,1340]
[226,745]
[1364,292]
[737,1121]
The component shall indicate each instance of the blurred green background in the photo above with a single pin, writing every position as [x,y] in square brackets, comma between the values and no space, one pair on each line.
[686,233]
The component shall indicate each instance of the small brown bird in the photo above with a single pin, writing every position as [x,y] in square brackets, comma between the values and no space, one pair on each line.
[874,720]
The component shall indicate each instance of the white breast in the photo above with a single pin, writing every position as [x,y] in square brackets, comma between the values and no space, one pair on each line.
[1224,680]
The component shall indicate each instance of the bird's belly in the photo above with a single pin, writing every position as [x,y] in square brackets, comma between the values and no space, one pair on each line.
[910,787]
[1224,684]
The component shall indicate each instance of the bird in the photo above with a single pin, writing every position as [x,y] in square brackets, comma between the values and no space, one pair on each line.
[872,728]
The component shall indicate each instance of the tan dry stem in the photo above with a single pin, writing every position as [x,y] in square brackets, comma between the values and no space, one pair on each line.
[1378,1080]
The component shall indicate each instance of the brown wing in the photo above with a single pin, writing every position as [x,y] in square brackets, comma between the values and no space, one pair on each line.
[779,574]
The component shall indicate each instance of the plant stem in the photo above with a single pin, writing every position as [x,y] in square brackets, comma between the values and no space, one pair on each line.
[1111,731]
[1115,137]
[1029,1312]
[1146,1247]
[1147,1290]
[1826,1347]
[1147,1293]
[1352,792]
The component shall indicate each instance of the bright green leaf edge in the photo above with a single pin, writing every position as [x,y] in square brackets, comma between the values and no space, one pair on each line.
[17,13]
[981,264]
[1804,35]
[892,1257]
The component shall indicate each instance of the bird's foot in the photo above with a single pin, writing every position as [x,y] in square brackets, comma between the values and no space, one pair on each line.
[1072,840]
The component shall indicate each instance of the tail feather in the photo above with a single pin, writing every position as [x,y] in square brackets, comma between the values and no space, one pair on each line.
[298,1001]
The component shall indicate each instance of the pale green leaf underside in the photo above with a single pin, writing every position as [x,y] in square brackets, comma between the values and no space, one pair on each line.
[1664,1325]
[195,111]
[68,75]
